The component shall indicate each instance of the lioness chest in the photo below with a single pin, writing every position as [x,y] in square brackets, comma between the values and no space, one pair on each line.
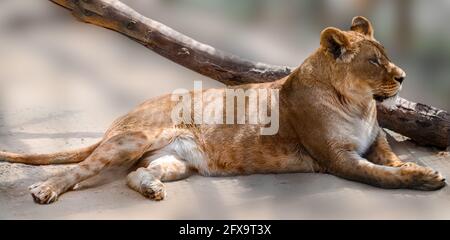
[364,133]
[360,131]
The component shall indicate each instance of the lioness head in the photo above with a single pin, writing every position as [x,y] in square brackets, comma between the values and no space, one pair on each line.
[363,58]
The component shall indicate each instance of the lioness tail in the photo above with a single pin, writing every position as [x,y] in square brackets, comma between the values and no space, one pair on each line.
[72,156]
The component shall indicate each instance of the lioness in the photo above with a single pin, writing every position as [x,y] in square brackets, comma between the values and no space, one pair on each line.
[327,124]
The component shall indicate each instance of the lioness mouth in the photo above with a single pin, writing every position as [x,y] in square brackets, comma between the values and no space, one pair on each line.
[379,98]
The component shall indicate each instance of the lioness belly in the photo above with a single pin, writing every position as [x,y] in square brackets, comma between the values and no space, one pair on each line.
[257,159]
[232,165]
[222,160]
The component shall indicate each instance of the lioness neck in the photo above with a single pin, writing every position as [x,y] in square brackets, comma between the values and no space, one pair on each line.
[321,71]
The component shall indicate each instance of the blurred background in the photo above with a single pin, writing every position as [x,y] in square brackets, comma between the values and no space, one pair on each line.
[47,58]
[63,82]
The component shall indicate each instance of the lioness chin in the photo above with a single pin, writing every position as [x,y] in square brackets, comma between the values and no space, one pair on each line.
[327,123]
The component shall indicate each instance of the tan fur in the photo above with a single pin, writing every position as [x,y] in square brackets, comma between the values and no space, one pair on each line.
[327,124]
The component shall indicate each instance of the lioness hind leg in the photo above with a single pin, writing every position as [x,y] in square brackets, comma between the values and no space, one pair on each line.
[120,149]
[148,180]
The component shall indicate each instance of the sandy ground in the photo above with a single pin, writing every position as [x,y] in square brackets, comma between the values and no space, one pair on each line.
[276,196]
[61,85]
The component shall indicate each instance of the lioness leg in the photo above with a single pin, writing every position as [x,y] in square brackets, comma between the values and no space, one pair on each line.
[148,180]
[381,153]
[351,166]
[120,149]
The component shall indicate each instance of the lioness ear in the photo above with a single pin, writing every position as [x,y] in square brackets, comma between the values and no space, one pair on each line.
[362,25]
[334,41]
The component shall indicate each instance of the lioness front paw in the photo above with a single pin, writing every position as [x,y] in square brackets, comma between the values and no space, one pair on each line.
[154,190]
[423,178]
[43,193]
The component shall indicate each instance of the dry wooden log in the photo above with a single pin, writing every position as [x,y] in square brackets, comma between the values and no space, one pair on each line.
[424,124]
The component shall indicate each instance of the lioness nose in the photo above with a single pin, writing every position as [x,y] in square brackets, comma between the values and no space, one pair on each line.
[399,79]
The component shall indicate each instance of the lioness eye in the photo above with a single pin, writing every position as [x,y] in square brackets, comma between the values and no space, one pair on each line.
[375,61]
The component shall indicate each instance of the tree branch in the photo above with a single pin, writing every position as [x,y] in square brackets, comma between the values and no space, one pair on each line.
[199,57]
[424,124]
